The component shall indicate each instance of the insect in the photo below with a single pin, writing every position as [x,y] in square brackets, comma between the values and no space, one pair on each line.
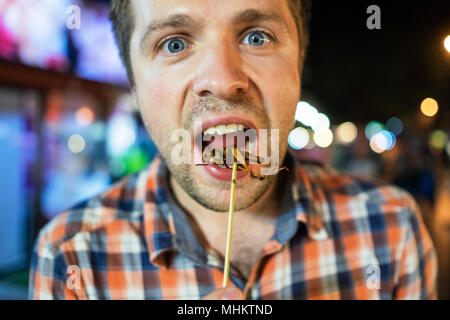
[219,157]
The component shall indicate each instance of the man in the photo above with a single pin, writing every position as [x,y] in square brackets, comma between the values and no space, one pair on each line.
[309,233]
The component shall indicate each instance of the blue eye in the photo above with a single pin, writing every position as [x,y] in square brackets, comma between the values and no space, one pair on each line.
[256,38]
[174,45]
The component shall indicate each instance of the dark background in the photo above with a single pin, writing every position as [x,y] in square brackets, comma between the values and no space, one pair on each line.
[361,74]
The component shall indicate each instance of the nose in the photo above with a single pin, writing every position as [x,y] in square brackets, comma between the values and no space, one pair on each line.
[219,72]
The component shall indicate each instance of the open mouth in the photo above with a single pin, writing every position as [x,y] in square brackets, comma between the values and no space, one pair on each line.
[227,141]
[217,142]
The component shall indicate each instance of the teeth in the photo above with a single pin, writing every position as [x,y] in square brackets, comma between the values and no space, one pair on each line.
[211,131]
[224,129]
[231,128]
[221,129]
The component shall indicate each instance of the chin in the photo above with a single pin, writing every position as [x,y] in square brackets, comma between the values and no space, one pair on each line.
[245,196]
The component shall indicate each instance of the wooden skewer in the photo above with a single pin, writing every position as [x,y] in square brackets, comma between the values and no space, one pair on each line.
[230,222]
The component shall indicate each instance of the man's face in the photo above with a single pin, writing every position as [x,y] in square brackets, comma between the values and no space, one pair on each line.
[217,62]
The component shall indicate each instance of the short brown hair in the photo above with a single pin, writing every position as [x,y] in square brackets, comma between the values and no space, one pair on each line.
[122,19]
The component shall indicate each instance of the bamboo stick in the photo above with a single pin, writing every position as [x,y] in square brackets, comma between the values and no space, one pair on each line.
[230,222]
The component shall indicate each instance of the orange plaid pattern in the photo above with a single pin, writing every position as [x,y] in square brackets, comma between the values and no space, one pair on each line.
[338,237]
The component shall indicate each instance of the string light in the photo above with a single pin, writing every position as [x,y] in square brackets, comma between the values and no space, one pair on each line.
[298,138]
[372,129]
[76,143]
[84,116]
[429,107]
[395,125]
[438,139]
[346,132]
[306,114]
[447,43]
[322,123]
[323,139]
[383,141]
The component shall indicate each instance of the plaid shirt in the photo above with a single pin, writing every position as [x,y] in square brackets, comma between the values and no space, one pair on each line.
[337,237]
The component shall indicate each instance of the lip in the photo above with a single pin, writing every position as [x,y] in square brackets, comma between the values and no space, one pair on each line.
[223,174]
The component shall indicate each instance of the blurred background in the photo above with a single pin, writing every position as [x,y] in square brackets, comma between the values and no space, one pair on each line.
[375,103]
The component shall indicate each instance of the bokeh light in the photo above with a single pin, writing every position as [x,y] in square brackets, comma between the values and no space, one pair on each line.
[76,143]
[306,114]
[395,125]
[346,132]
[438,139]
[323,139]
[84,116]
[447,43]
[121,134]
[322,123]
[429,107]
[298,138]
[373,128]
[383,141]
[374,145]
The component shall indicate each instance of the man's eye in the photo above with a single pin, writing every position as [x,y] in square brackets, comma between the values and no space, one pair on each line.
[174,45]
[257,38]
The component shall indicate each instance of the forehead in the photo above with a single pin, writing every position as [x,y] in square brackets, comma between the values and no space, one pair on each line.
[208,11]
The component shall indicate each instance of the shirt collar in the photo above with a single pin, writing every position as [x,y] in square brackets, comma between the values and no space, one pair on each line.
[308,198]
[166,226]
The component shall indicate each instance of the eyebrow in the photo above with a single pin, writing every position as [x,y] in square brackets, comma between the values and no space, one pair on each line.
[173,21]
[186,21]
[252,15]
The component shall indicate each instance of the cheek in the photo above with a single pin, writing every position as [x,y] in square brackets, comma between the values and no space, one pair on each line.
[160,97]
[279,84]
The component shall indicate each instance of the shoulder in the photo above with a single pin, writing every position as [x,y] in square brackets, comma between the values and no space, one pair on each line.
[352,197]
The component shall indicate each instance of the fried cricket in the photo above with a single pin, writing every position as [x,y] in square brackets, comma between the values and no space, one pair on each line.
[219,157]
